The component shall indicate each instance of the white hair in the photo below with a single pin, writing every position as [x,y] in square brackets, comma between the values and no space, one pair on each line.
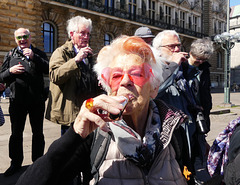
[75,22]
[134,46]
[20,29]
[202,48]
[157,41]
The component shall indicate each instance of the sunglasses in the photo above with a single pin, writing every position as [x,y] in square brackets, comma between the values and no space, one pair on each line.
[139,75]
[25,37]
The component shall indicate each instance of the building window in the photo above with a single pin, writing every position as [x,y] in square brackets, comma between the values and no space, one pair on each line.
[81,3]
[151,10]
[144,8]
[109,4]
[122,4]
[132,9]
[219,27]
[219,60]
[176,18]
[168,14]
[161,13]
[182,19]
[49,38]
[107,39]
[215,27]
[194,23]
[190,22]
[219,82]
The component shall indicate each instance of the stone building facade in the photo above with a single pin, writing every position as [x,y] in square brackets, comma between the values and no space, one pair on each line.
[235,55]
[46,19]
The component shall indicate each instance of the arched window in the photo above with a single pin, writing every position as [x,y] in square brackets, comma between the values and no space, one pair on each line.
[48,33]
[107,39]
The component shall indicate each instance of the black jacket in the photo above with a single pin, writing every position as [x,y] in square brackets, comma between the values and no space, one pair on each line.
[70,154]
[28,86]
[202,88]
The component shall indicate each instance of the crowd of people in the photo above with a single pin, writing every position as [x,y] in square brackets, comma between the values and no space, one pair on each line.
[139,114]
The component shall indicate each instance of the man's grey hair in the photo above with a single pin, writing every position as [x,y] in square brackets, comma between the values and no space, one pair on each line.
[202,48]
[157,41]
[75,22]
[21,28]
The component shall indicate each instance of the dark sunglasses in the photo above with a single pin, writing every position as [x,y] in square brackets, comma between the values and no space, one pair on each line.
[25,37]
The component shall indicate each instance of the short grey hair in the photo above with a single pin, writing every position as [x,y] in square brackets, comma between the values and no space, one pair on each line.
[157,41]
[75,22]
[21,28]
[202,48]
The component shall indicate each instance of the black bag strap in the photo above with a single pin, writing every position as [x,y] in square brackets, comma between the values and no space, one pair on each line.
[99,151]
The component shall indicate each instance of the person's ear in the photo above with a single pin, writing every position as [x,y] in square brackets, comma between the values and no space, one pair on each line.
[71,34]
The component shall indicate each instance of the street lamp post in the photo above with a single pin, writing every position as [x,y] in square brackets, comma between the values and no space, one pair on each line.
[227,42]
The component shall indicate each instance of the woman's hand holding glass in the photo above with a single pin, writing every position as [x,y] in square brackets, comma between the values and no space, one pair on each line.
[90,118]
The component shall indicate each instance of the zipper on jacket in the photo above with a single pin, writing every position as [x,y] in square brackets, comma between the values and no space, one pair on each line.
[145,177]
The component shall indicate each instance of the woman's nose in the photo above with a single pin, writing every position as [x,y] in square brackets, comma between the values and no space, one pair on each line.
[126,80]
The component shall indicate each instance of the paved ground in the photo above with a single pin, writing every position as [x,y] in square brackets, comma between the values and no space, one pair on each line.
[52,132]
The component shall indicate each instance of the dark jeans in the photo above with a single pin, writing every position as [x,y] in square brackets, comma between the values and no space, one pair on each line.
[18,113]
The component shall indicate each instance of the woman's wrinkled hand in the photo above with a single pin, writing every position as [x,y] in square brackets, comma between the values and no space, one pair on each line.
[89,119]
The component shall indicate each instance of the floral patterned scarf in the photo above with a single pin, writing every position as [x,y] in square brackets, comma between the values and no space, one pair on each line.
[140,150]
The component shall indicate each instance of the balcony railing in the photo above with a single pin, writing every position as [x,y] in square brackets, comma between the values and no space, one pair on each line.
[99,7]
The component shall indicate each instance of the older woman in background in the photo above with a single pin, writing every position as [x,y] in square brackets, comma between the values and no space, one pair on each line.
[139,150]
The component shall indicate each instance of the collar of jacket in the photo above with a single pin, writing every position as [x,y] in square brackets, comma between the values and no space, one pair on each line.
[68,47]
[204,65]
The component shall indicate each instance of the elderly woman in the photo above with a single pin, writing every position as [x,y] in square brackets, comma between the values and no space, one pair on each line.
[139,149]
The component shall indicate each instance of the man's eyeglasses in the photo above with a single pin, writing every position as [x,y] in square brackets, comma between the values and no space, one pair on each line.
[25,37]
[83,34]
[172,46]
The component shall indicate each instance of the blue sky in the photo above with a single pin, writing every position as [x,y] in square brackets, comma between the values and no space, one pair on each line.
[234,2]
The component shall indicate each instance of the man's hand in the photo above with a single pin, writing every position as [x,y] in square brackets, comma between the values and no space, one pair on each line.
[179,57]
[83,53]
[28,53]
[17,69]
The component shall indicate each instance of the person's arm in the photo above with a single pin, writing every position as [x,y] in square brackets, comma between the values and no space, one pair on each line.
[61,67]
[65,158]
[5,75]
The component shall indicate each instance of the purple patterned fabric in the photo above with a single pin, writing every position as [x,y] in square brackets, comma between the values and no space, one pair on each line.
[218,154]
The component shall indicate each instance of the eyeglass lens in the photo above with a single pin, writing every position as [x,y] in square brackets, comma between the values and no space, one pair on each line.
[25,37]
